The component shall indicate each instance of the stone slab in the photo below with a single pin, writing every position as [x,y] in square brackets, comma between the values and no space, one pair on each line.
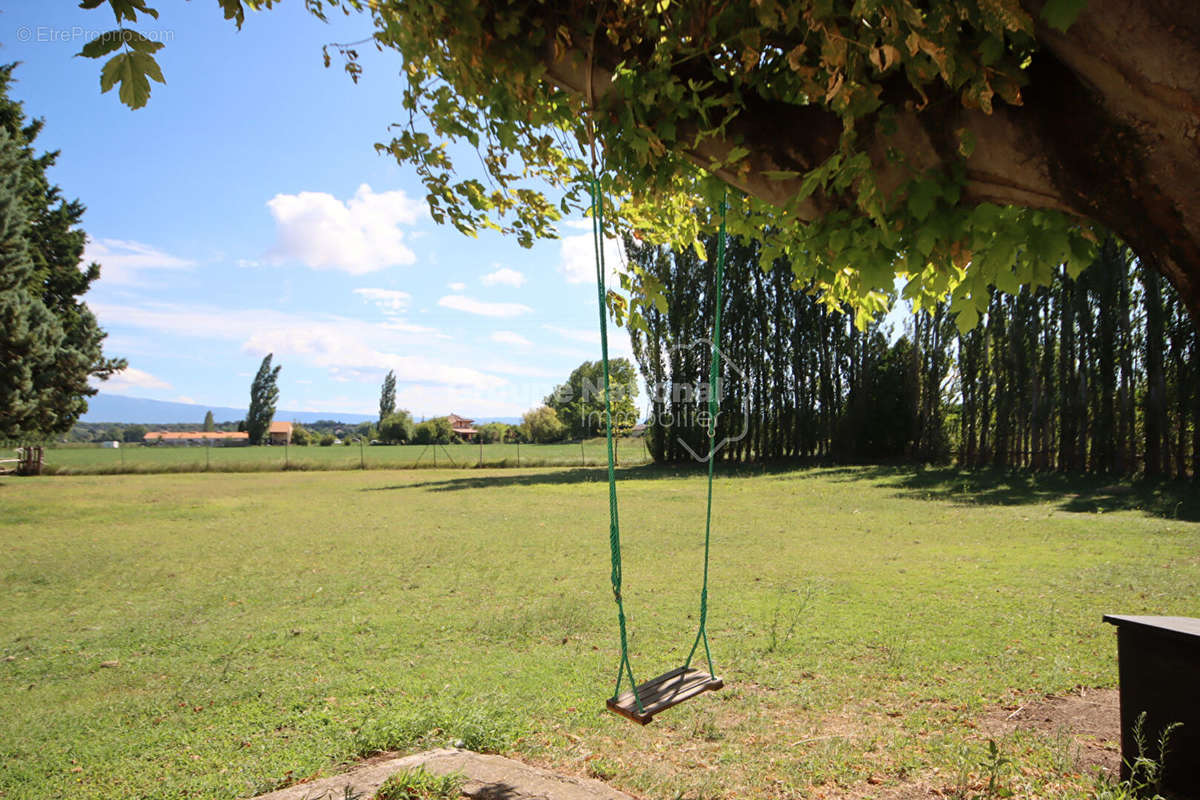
[488,778]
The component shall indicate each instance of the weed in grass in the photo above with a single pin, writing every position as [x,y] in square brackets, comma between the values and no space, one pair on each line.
[1145,772]
[962,773]
[791,603]
[474,727]
[347,793]
[993,765]
[603,769]
[419,784]
[1064,752]
[705,728]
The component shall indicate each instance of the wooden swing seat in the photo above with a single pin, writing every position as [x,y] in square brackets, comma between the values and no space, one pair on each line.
[659,694]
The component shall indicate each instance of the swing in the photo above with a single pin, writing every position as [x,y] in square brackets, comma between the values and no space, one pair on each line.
[642,701]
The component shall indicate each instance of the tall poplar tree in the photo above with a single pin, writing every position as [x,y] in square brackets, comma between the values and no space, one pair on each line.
[387,397]
[264,393]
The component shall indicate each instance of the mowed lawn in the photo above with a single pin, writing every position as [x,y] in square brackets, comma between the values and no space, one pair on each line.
[85,460]
[218,635]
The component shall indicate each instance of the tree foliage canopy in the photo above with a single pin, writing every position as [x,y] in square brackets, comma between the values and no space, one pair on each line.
[579,403]
[397,427]
[50,342]
[542,426]
[264,393]
[961,145]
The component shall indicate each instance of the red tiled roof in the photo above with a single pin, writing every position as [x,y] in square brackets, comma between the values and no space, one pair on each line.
[181,435]
[280,427]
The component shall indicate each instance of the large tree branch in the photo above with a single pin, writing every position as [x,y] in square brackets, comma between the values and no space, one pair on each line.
[1108,131]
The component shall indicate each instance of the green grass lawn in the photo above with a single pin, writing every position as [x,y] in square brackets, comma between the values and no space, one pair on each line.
[263,628]
[86,460]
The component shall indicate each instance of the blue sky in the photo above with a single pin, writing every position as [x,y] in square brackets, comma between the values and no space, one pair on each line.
[245,211]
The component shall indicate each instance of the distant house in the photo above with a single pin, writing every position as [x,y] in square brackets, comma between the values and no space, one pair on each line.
[463,428]
[217,438]
[280,433]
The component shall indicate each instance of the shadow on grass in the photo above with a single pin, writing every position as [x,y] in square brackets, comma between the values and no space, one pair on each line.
[1088,494]
[1168,499]
[551,476]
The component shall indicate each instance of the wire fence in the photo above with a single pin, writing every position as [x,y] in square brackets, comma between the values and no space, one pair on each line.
[137,458]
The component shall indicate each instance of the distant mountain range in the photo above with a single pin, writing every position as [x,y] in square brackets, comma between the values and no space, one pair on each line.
[106,407]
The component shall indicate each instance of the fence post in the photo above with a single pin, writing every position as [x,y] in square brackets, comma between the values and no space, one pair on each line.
[582,458]
[518,452]
[207,454]
[480,450]
[362,454]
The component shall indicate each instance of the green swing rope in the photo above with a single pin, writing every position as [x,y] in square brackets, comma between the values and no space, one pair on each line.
[713,374]
[614,527]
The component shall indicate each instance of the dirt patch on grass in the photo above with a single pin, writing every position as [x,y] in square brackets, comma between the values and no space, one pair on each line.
[1083,725]
[1090,717]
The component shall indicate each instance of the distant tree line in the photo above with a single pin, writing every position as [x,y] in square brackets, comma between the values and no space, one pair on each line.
[1098,372]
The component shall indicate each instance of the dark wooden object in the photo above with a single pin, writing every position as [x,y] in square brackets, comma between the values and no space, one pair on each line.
[1158,659]
[659,694]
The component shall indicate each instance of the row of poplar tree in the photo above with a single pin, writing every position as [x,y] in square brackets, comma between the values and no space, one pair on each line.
[1096,373]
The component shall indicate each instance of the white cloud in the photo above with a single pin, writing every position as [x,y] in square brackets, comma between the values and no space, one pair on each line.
[123,261]
[618,340]
[358,236]
[132,378]
[524,370]
[577,257]
[387,299]
[397,324]
[575,334]
[460,303]
[456,286]
[508,337]
[183,398]
[504,276]
[361,350]
[429,401]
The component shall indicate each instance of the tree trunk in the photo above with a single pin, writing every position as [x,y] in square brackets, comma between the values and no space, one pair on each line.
[1154,410]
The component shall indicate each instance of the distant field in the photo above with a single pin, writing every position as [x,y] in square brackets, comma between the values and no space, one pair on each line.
[163,458]
[216,635]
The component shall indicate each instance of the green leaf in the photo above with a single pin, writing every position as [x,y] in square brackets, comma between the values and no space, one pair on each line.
[968,316]
[127,9]
[103,44]
[131,70]
[140,43]
[234,11]
[737,154]
[922,196]
[1061,14]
